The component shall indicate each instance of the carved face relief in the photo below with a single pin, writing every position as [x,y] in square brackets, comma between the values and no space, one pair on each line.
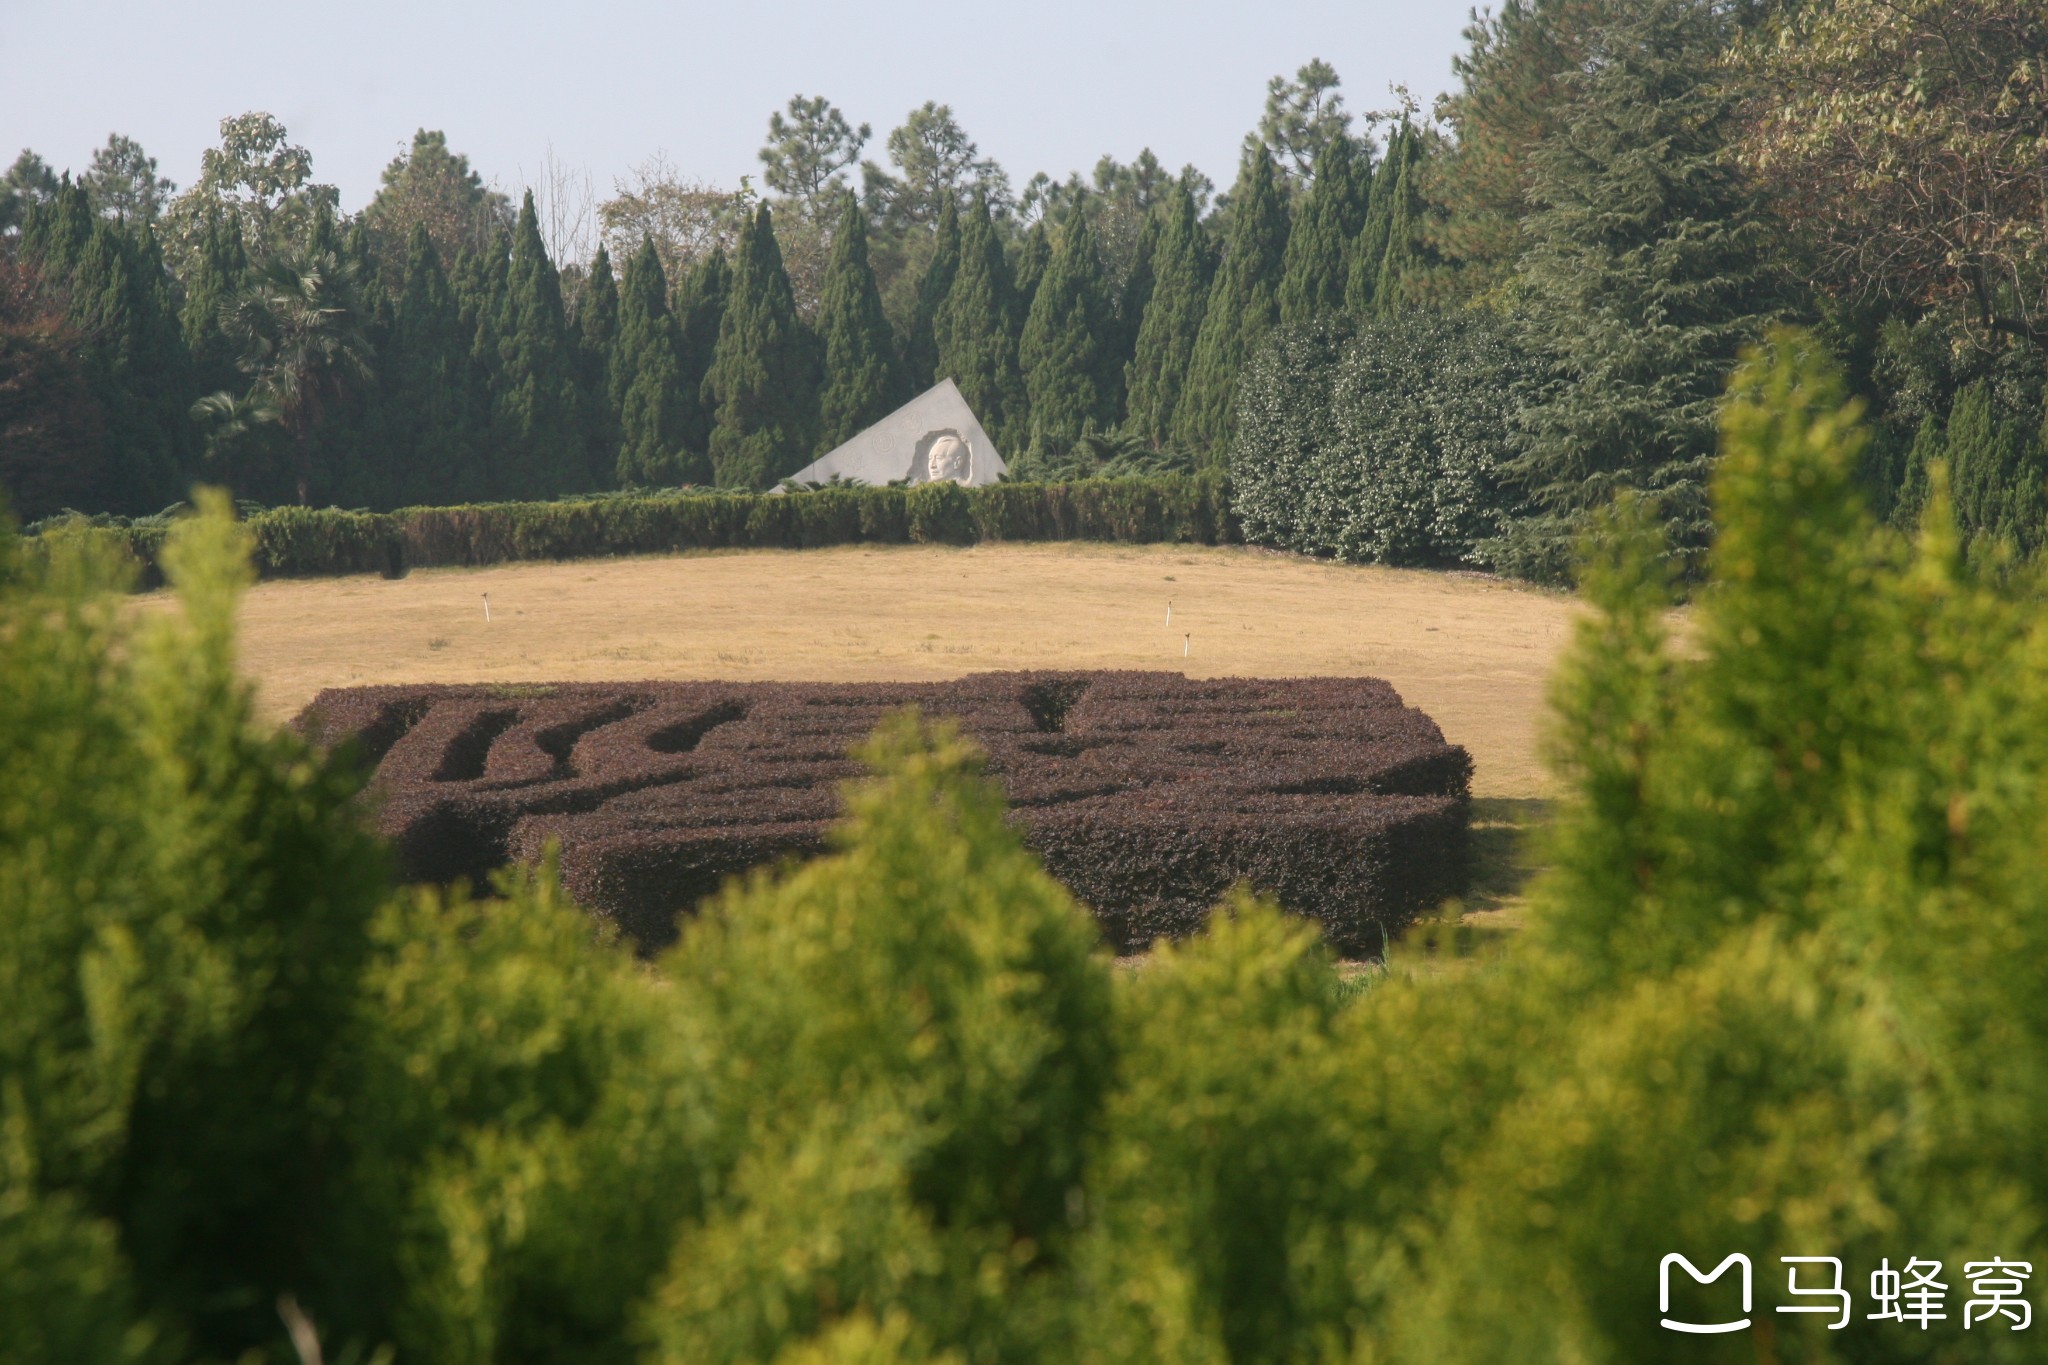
[948,460]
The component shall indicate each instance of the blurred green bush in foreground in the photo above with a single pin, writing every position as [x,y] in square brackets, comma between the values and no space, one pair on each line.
[1780,997]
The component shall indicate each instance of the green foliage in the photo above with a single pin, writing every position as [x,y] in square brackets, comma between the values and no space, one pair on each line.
[1648,270]
[1068,353]
[1997,472]
[920,340]
[762,386]
[700,311]
[1242,305]
[1316,268]
[657,413]
[975,331]
[1383,441]
[134,354]
[1779,995]
[537,419]
[1172,320]
[863,381]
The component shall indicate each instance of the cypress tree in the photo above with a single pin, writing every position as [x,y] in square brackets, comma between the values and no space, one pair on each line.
[1172,320]
[1032,257]
[431,429]
[219,268]
[700,308]
[1317,267]
[976,332]
[482,283]
[921,346]
[655,413]
[134,354]
[1069,350]
[597,332]
[762,387]
[1649,268]
[1132,301]
[1406,255]
[1368,252]
[1998,471]
[1243,305]
[347,441]
[540,436]
[862,379]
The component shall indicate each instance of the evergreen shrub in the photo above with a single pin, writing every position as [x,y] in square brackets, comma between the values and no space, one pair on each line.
[300,542]
[1146,794]
[1380,441]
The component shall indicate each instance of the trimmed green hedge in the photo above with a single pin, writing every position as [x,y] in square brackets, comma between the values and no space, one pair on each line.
[300,542]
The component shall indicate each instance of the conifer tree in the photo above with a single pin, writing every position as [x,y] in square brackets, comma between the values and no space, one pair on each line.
[1071,369]
[976,332]
[1171,322]
[1032,256]
[432,427]
[863,381]
[480,285]
[218,271]
[134,354]
[1649,269]
[1243,305]
[655,413]
[539,436]
[920,345]
[1317,269]
[597,331]
[762,388]
[1407,254]
[1131,302]
[700,308]
[1367,258]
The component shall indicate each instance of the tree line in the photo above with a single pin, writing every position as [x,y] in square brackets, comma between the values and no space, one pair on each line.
[436,346]
[1537,292]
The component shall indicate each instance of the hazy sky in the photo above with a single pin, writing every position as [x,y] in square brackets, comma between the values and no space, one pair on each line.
[1039,84]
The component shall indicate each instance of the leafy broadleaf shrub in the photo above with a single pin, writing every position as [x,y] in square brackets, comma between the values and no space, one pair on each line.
[1380,441]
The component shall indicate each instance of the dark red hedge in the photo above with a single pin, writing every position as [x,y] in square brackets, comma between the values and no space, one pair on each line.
[1147,794]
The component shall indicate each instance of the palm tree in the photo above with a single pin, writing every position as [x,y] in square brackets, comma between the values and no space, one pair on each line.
[299,325]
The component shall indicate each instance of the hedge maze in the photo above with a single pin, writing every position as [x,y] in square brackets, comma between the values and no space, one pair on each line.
[1148,795]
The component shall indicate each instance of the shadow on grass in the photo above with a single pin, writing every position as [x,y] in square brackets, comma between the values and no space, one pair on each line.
[1494,911]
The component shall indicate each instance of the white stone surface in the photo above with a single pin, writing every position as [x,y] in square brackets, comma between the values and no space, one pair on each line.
[933,436]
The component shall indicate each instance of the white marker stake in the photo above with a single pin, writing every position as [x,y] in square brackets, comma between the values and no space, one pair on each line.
[487,608]
[1169,614]
[1186,644]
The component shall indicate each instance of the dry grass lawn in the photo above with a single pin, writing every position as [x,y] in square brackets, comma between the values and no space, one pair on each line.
[1471,651]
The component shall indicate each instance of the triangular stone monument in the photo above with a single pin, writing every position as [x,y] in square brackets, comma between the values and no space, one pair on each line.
[933,436]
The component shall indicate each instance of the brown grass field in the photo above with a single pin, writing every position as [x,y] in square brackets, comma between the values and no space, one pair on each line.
[1472,651]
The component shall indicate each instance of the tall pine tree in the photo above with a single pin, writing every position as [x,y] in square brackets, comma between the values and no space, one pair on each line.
[539,429]
[763,384]
[1317,268]
[655,413]
[920,345]
[1173,318]
[1131,302]
[1649,268]
[1069,351]
[1243,306]
[976,332]
[863,381]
